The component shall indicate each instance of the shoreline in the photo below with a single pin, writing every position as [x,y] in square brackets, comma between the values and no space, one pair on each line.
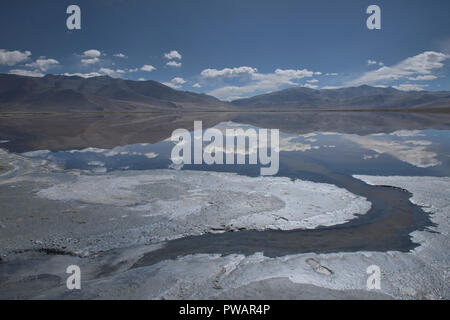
[232,265]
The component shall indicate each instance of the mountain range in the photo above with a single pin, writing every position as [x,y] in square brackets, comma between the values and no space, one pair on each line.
[57,93]
[352,98]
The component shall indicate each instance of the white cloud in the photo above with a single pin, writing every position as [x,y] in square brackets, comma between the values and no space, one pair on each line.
[90,60]
[421,64]
[412,152]
[331,74]
[178,80]
[423,78]
[115,73]
[235,92]
[410,87]
[27,73]
[120,55]
[331,87]
[260,82]
[284,76]
[91,56]
[141,79]
[151,155]
[196,85]
[83,75]
[112,73]
[175,83]
[373,62]
[43,64]
[407,133]
[106,71]
[173,64]
[312,81]
[93,53]
[148,68]
[295,74]
[11,58]
[228,72]
[310,86]
[174,54]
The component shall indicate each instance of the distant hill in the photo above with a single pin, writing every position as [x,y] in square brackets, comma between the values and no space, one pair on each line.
[354,98]
[55,93]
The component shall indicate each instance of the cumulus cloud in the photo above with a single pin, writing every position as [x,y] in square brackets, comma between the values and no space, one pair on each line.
[295,74]
[421,64]
[90,60]
[310,86]
[173,64]
[43,64]
[120,55]
[11,58]
[373,62]
[178,80]
[93,53]
[259,82]
[112,73]
[83,75]
[148,68]
[174,54]
[175,83]
[27,73]
[196,85]
[228,72]
[91,56]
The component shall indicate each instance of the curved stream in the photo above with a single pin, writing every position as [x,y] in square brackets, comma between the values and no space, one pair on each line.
[385,227]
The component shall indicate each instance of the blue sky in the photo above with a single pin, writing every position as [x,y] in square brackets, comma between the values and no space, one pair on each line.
[233,49]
